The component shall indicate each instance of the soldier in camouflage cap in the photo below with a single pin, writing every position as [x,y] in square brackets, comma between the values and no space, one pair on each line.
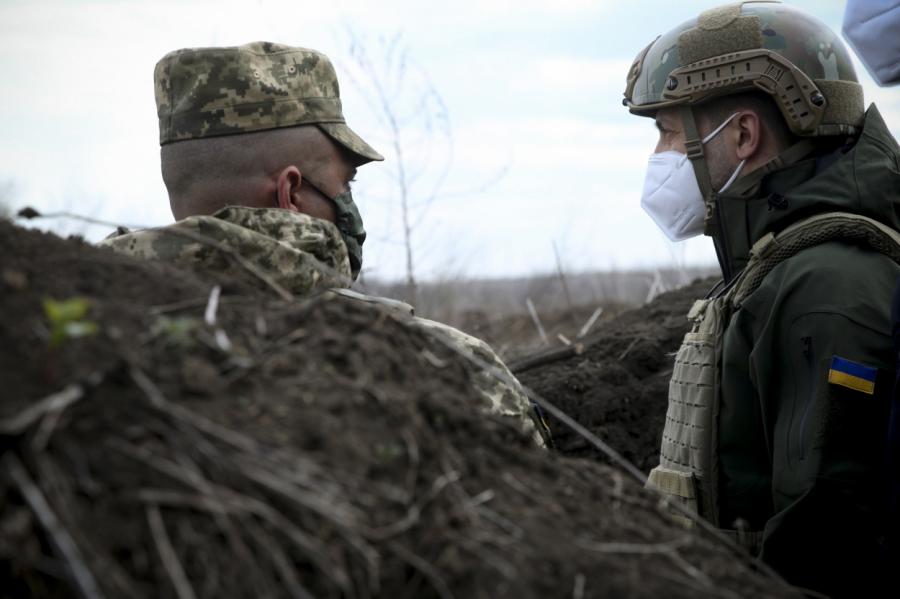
[777,417]
[216,105]
[258,159]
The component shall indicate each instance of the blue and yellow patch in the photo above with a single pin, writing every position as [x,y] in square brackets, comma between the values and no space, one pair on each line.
[852,375]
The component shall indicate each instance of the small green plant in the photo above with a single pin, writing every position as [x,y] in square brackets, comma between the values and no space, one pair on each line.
[67,319]
[387,452]
[175,331]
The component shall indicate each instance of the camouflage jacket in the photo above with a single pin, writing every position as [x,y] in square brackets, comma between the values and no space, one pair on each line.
[296,254]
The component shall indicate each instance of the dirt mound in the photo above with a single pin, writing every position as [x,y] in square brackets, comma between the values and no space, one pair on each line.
[617,386]
[515,335]
[315,448]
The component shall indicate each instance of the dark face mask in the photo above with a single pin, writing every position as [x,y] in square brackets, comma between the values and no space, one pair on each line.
[350,224]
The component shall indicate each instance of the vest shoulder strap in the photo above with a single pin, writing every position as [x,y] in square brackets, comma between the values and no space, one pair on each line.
[772,249]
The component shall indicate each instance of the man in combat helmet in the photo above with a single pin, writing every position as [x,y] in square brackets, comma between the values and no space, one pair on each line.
[258,161]
[778,403]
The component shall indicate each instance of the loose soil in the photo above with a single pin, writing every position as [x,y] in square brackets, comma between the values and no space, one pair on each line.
[617,386]
[315,448]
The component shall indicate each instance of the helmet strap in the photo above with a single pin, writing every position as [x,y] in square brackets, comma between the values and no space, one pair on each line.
[694,145]
[791,155]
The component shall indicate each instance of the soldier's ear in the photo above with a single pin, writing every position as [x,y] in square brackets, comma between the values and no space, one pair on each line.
[287,190]
[748,134]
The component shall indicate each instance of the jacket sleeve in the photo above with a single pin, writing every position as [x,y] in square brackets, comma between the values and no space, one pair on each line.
[893,450]
[828,444]
[827,433]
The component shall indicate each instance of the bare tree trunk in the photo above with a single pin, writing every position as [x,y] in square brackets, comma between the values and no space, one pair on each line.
[565,285]
[412,291]
[394,67]
[415,120]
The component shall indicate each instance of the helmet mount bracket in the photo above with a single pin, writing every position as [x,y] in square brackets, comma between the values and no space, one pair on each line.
[799,99]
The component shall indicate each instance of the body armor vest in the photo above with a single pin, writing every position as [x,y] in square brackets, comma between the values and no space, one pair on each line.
[688,469]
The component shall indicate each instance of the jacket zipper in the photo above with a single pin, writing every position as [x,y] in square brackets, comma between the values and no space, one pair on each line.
[722,245]
[810,363]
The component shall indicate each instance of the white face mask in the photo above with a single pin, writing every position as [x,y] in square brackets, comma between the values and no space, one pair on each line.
[671,194]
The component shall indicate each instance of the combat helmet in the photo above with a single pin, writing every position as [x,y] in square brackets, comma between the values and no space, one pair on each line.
[755,45]
[761,45]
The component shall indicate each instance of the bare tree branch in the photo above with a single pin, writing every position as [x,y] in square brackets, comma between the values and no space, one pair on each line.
[416,126]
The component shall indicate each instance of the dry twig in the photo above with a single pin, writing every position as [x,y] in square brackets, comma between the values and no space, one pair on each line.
[536,320]
[56,532]
[212,306]
[231,500]
[630,347]
[51,404]
[167,555]
[633,548]
[283,567]
[578,590]
[547,356]
[589,324]
[422,566]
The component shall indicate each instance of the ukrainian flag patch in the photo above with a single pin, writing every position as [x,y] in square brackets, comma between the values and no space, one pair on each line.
[852,375]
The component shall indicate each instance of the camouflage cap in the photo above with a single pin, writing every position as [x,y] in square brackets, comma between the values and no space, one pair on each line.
[209,92]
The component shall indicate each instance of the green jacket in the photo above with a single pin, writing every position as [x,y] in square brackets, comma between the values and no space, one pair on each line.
[801,459]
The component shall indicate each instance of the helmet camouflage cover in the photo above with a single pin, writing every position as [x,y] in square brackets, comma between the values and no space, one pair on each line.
[209,92]
[760,45]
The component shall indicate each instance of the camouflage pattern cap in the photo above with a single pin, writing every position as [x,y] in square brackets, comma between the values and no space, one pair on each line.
[209,92]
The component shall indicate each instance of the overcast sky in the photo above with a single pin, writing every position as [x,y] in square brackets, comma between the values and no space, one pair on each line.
[542,152]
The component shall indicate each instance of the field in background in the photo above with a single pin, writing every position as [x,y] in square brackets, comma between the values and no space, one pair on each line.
[497,310]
